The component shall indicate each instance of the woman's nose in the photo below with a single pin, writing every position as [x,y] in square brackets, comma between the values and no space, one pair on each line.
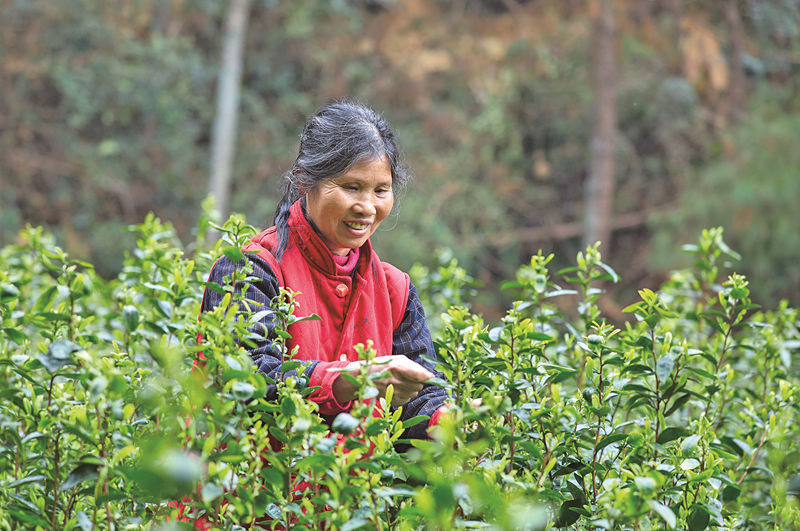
[365,206]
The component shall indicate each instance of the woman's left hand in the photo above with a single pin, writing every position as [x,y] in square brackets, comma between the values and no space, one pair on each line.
[406,376]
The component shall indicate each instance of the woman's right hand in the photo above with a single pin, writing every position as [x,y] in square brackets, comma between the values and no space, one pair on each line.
[406,376]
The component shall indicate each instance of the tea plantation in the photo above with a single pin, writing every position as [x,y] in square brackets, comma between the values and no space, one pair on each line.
[685,417]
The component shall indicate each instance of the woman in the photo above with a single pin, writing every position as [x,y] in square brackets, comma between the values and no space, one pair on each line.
[338,191]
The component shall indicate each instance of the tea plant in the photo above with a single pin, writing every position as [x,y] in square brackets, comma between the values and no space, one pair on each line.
[121,407]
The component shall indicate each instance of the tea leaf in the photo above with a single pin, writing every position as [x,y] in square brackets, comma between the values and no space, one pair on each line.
[664,512]
[82,473]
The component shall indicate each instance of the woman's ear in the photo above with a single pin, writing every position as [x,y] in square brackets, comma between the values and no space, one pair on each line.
[302,188]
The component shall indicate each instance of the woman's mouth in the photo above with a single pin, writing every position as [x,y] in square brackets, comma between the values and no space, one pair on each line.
[356,226]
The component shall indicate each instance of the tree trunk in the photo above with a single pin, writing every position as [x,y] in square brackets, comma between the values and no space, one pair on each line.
[674,9]
[223,135]
[160,17]
[599,191]
[736,89]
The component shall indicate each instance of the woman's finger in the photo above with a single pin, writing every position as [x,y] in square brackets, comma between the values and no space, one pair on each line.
[406,369]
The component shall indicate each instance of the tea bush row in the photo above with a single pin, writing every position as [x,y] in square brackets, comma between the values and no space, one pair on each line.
[685,417]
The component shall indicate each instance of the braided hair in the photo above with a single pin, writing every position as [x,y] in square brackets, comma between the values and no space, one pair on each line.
[333,140]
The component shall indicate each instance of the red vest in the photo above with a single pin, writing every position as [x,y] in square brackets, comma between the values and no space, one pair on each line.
[368,306]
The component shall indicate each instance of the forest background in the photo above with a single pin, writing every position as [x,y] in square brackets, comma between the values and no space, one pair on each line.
[528,124]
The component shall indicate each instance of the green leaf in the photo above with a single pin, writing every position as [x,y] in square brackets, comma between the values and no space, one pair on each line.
[79,432]
[568,513]
[287,407]
[701,372]
[439,382]
[689,464]
[610,439]
[112,495]
[370,391]
[698,518]
[26,503]
[8,292]
[644,341]
[413,421]
[97,387]
[638,368]
[165,307]
[273,511]
[559,373]
[670,434]
[677,404]
[84,522]
[646,484]
[242,390]
[731,493]
[82,473]
[560,292]
[713,323]
[632,308]
[611,272]
[213,286]
[234,254]
[689,444]
[495,334]
[664,512]
[344,423]
[15,335]
[157,287]
[180,467]
[326,445]
[24,514]
[356,522]
[58,355]
[24,481]
[45,299]
[737,445]
[664,367]
[739,293]
[210,492]
[291,365]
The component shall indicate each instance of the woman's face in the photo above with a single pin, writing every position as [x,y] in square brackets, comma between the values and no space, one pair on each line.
[347,209]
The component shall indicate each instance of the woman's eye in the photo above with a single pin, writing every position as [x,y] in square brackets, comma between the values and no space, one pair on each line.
[350,187]
[382,191]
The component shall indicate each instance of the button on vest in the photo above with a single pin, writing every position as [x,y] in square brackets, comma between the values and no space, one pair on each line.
[341,290]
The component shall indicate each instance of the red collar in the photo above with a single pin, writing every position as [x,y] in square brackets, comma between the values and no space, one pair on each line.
[314,249]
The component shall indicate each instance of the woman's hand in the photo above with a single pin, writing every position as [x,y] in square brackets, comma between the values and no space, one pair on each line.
[404,375]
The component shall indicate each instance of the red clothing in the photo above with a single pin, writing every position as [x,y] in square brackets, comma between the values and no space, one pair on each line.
[353,308]
[345,265]
[372,301]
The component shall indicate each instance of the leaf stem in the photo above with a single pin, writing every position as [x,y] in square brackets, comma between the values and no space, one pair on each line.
[57,465]
[658,387]
[755,455]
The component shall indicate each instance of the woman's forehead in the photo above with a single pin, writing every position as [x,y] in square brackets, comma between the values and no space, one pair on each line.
[377,169]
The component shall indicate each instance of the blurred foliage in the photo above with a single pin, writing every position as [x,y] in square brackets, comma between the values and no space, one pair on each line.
[752,188]
[107,109]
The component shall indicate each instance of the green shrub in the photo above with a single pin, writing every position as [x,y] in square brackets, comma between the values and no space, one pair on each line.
[683,418]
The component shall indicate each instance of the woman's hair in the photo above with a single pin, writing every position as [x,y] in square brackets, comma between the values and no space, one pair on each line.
[333,140]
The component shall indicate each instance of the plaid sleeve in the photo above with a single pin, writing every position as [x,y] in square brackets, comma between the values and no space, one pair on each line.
[413,340]
[260,288]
